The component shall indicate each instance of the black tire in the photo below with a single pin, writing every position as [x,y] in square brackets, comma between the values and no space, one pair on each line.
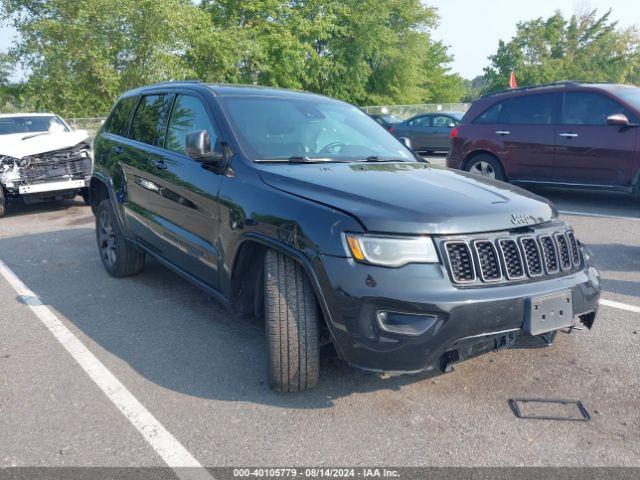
[291,317]
[493,163]
[118,256]
[3,203]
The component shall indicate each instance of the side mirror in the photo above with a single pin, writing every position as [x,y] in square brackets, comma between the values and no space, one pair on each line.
[619,119]
[407,142]
[199,148]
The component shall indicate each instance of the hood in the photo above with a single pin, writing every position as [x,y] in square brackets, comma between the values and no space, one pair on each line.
[412,198]
[14,146]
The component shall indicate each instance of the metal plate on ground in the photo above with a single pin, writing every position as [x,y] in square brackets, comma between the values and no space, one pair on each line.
[549,312]
[542,409]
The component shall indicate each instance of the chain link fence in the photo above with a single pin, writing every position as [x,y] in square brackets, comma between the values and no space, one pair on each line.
[406,111]
[91,124]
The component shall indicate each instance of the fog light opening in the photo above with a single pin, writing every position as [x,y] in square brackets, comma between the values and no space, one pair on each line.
[405,323]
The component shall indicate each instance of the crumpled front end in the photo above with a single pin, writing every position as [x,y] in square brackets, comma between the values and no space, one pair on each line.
[67,169]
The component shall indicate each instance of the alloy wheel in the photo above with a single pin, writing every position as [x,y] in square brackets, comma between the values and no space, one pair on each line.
[484,169]
[107,236]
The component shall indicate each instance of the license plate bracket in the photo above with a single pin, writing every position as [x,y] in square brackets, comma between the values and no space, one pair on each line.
[549,312]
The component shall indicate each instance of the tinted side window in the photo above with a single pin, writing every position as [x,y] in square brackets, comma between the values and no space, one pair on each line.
[494,114]
[150,120]
[532,109]
[443,121]
[118,121]
[188,115]
[587,108]
[420,122]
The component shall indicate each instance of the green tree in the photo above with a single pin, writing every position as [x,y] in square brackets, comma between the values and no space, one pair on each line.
[81,54]
[586,47]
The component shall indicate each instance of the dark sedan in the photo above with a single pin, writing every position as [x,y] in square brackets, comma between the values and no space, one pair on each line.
[428,132]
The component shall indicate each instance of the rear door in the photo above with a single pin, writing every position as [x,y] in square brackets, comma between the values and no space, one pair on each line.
[528,136]
[143,151]
[588,150]
[184,206]
[115,148]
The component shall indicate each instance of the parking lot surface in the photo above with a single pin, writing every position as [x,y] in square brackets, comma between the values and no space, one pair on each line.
[201,372]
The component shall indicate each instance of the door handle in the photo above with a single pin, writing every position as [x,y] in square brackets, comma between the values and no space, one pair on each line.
[568,135]
[502,133]
[117,150]
[159,164]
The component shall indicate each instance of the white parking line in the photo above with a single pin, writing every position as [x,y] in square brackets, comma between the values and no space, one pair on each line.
[597,215]
[171,450]
[621,306]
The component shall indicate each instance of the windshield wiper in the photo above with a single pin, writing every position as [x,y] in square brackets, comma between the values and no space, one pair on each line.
[305,159]
[35,135]
[375,158]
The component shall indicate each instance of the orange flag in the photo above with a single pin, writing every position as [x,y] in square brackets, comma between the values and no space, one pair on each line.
[512,81]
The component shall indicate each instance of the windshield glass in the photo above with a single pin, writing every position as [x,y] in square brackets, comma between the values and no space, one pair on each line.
[631,96]
[32,124]
[272,128]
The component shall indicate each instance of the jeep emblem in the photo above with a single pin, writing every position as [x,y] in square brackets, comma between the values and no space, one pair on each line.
[518,219]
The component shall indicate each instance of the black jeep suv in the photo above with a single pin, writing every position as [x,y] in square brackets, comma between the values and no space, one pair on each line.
[304,210]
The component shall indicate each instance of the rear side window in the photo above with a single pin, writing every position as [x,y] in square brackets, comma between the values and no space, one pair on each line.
[118,121]
[150,120]
[188,115]
[532,109]
[588,108]
[494,114]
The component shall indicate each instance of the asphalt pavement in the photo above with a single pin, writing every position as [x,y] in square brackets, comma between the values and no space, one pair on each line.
[200,373]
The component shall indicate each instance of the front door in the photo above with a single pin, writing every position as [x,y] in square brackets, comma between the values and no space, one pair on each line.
[440,132]
[588,150]
[184,206]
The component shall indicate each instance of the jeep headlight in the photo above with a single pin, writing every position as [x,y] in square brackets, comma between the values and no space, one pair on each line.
[390,251]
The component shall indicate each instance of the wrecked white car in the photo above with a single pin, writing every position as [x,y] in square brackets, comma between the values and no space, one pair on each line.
[42,158]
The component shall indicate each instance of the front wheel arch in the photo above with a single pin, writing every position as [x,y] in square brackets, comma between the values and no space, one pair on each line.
[253,247]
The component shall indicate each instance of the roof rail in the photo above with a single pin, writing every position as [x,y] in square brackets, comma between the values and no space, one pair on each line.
[172,82]
[562,83]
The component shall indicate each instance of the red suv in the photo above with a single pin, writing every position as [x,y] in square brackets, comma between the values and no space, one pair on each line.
[568,134]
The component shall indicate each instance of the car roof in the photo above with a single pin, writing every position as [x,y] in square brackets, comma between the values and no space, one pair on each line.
[556,87]
[223,90]
[40,114]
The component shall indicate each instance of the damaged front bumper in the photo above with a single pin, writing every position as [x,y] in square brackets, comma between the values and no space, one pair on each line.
[67,170]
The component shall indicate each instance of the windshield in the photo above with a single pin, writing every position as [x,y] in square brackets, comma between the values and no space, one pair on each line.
[272,128]
[32,124]
[631,96]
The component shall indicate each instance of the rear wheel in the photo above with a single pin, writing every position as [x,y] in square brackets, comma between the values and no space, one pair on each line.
[3,203]
[291,315]
[486,166]
[118,256]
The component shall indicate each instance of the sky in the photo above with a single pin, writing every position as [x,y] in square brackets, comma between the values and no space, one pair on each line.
[472,28]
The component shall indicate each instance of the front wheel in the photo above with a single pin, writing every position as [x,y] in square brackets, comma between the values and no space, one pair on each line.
[291,316]
[486,166]
[118,256]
